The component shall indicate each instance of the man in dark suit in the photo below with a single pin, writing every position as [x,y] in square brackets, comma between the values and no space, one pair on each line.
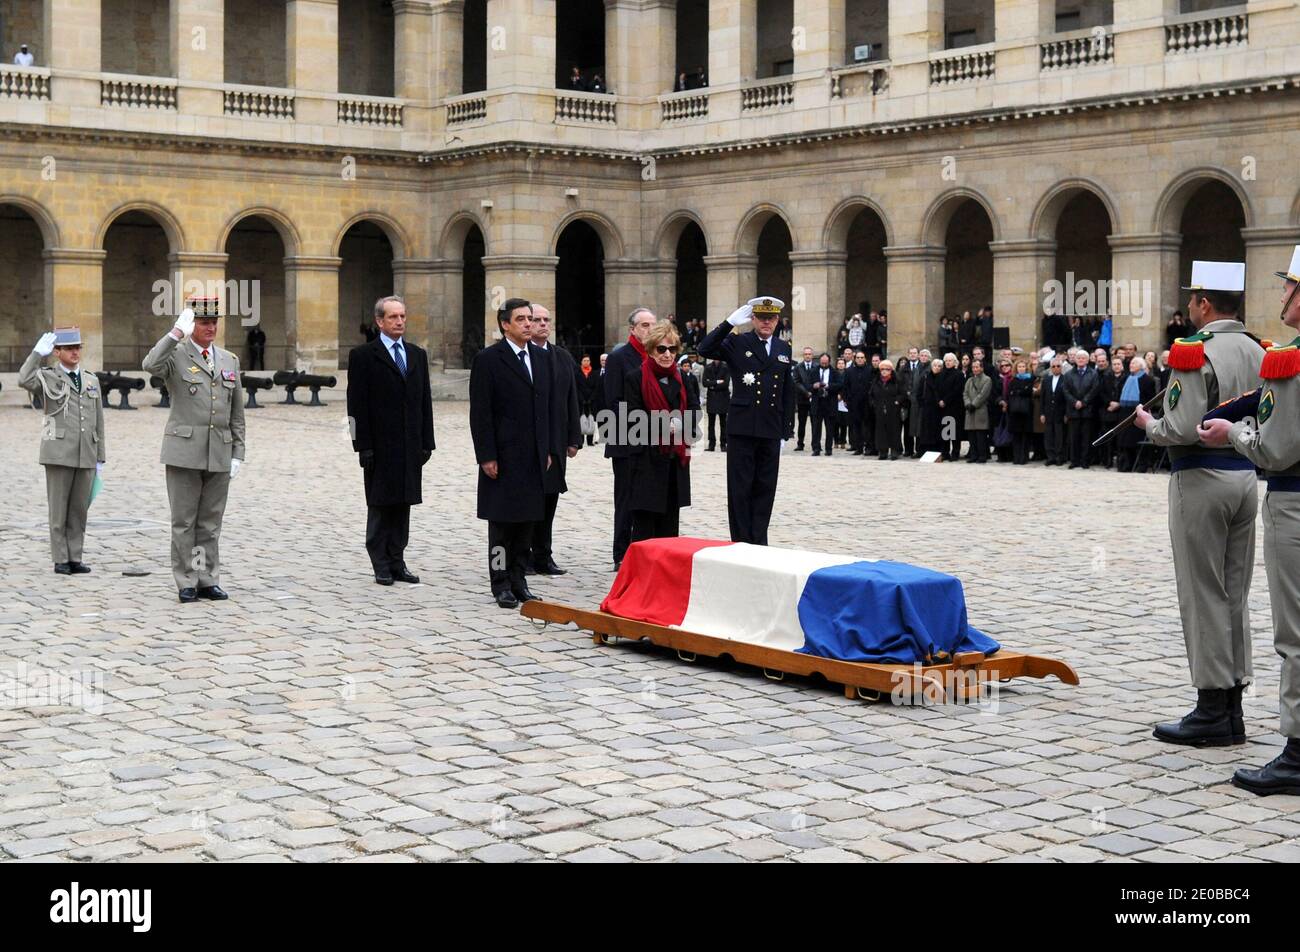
[1052,415]
[717,381]
[568,433]
[805,372]
[825,403]
[856,391]
[390,410]
[515,445]
[622,360]
[1081,388]
[761,415]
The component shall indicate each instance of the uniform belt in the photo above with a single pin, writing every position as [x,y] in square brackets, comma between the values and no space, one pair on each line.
[1197,461]
[1284,484]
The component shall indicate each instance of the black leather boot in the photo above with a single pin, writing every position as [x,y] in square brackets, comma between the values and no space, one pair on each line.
[1279,775]
[1208,725]
[1235,713]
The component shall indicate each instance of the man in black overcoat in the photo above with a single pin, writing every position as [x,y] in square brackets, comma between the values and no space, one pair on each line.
[568,434]
[621,361]
[514,444]
[390,411]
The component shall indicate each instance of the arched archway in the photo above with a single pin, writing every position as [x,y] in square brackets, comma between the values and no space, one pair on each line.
[968,259]
[579,321]
[1083,256]
[365,275]
[691,301]
[473,296]
[866,279]
[24,291]
[1210,224]
[137,296]
[255,278]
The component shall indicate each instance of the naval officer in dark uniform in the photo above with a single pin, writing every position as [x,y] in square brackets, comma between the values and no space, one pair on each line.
[761,414]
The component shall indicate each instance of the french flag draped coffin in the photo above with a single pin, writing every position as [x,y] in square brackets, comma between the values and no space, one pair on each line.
[830,606]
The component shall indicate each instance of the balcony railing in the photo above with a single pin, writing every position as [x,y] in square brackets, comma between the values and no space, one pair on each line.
[680,107]
[851,81]
[769,94]
[370,111]
[961,67]
[1080,49]
[258,102]
[597,108]
[136,92]
[1207,33]
[466,110]
[24,82]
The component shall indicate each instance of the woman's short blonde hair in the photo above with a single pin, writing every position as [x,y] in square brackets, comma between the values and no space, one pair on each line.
[662,332]
[886,365]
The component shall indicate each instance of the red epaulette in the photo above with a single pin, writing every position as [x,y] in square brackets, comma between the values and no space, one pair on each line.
[1280,362]
[1188,353]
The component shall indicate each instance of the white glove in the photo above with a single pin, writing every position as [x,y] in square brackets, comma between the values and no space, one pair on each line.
[741,315]
[184,324]
[45,346]
[234,467]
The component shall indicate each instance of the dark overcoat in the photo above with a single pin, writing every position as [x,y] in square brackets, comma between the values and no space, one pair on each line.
[392,417]
[652,469]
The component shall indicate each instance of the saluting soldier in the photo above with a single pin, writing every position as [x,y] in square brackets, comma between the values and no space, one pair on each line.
[203,444]
[72,440]
[1212,505]
[1272,442]
[761,414]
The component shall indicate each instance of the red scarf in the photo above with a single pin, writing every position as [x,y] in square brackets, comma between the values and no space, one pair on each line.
[586,371]
[655,400]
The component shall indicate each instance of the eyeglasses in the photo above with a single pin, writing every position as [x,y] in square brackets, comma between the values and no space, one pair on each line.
[666,349]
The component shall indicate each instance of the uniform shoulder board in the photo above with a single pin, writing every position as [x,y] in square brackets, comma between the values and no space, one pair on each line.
[1280,362]
[1188,353]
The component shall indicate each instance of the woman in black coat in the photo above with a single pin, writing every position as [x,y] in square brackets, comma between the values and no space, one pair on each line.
[1108,407]
[660,476]
[931,412]
[952,409]
[887,399]
[588,389]
[1020,412]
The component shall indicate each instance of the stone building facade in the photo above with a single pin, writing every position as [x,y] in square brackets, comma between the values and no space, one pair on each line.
[920,155]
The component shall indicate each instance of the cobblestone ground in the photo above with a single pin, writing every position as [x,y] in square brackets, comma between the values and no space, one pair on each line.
[317,716]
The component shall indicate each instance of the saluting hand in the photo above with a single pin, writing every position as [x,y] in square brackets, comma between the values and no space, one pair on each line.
[490,469]
[45,346]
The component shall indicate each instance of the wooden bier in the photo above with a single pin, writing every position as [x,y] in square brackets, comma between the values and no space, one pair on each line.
[964,676]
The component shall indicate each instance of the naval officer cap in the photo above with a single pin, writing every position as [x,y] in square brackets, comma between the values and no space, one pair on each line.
[1229,276]
[766,305]
[67,337]
[1292,273]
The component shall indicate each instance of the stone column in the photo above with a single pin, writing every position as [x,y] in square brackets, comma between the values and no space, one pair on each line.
[523,276]
[915,277]
[416,283]
[629,283]
[817,303]
[732,280]
[312,58]
[203,274]
[521,43]
[447,39]
[1267,250]
[1018,25]
[1140,31]
[819,35]
[414,65]
[198,52]
[661,287]
[640,46]
[1146,267]
[311,306]
[74,278]
[915,31]
[733,38]
[446,309]
[1020,268]
[72,31]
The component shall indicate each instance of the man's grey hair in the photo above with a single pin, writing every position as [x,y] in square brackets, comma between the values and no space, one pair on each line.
[379,305]
[926,351]
[631,318]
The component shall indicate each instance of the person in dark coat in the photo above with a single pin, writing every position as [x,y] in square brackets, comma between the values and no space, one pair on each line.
[1139,387]
[1020,412]
[717,383]
[805,372]
[622,360]
[887,399]
[857,395]
[567,434]
[951,408]
[931,411]
[588,381]
[515,445]
[1052,412]
[825,388]
[1081,385]
[761,414]
[390,410]
[1108,407]
[670,402]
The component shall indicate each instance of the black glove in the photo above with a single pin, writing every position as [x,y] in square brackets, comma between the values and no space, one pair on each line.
[424,456]
[367,458]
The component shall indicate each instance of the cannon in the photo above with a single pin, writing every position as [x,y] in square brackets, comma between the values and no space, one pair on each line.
[110,380]
[291,380]
[164,397]
[252,385]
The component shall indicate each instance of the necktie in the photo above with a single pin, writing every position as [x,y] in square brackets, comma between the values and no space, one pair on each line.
[207,359]
[76,380]
[523,359]
[400,358]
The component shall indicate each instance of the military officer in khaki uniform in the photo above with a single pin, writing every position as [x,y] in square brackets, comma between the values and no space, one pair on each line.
[203,444]
[1212,505]
[72,440]
[1272,442]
